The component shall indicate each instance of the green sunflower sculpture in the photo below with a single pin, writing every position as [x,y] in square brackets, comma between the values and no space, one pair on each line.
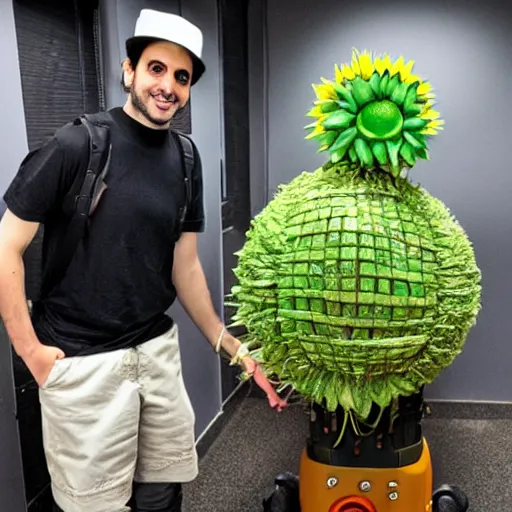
[354,285]
[376,113]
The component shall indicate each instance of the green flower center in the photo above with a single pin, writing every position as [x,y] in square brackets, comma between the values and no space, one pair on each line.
[380,120]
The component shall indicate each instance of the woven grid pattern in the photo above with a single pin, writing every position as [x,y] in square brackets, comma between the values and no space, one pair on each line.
[358,269]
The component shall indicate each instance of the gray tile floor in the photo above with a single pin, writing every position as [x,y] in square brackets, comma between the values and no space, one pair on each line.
[257,443]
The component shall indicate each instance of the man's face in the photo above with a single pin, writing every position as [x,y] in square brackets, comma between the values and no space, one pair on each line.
[160,84]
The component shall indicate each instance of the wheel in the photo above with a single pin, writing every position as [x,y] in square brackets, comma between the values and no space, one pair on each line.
[285,497]
[449,499]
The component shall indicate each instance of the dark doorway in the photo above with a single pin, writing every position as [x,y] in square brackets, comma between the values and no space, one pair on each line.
[236,211]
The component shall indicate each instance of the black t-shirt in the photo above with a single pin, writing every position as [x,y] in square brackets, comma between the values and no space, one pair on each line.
[118,286]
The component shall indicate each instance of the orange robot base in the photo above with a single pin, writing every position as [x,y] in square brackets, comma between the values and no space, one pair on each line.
[326,488]
[347,468]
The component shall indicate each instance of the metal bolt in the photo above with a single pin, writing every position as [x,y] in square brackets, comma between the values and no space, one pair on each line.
[393,496]
[365,486]
[392,485]
[332,482]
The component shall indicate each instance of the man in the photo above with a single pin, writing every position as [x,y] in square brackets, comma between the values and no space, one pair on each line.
[118,425]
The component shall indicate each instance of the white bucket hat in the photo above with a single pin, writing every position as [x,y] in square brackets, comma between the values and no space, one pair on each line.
[154,25]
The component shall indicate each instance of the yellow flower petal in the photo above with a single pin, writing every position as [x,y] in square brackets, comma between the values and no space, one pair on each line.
[397,66]
[314,112]
[338,75]
[406,70]
[429,131]
[424,88]
[325,92]
[430,114]
[348,73]
[388,65]
[436,124]
[366,66]
[355,65]
[412,78]
[319,103]
[317,131]
[379,65]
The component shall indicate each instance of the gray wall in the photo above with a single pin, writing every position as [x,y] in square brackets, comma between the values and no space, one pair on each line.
[201,367]
[464,49]
[13,142]
[258,107]
[13,146]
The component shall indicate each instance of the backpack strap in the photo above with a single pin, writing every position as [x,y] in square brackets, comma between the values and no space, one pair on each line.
[92,188]
[188,163]
[86,201]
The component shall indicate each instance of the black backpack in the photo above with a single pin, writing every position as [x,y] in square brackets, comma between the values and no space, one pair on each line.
[82,203]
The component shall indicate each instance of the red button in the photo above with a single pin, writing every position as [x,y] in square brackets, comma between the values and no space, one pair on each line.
[353,504]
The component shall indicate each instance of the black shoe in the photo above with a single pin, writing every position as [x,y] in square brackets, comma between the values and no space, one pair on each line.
[286,496]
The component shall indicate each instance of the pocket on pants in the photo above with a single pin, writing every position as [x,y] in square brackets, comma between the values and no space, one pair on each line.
[58,370]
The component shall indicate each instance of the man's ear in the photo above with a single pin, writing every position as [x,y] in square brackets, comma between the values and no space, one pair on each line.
[128,74]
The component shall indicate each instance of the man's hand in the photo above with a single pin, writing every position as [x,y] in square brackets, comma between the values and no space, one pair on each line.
[41,361]
[253,368]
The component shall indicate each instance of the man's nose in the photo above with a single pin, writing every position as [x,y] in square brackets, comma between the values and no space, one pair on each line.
[168,83]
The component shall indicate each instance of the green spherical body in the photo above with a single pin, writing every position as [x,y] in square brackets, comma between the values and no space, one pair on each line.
[356,289]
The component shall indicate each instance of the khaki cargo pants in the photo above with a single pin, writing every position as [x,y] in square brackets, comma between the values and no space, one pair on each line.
[112,418]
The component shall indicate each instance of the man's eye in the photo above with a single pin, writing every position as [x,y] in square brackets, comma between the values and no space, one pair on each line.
[182,77]
[157,68]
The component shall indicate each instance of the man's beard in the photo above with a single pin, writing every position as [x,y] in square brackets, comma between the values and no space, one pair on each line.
[139,105]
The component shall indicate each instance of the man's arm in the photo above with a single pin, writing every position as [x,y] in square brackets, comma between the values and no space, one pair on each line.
[43,179]
[194,295]
[15,236]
